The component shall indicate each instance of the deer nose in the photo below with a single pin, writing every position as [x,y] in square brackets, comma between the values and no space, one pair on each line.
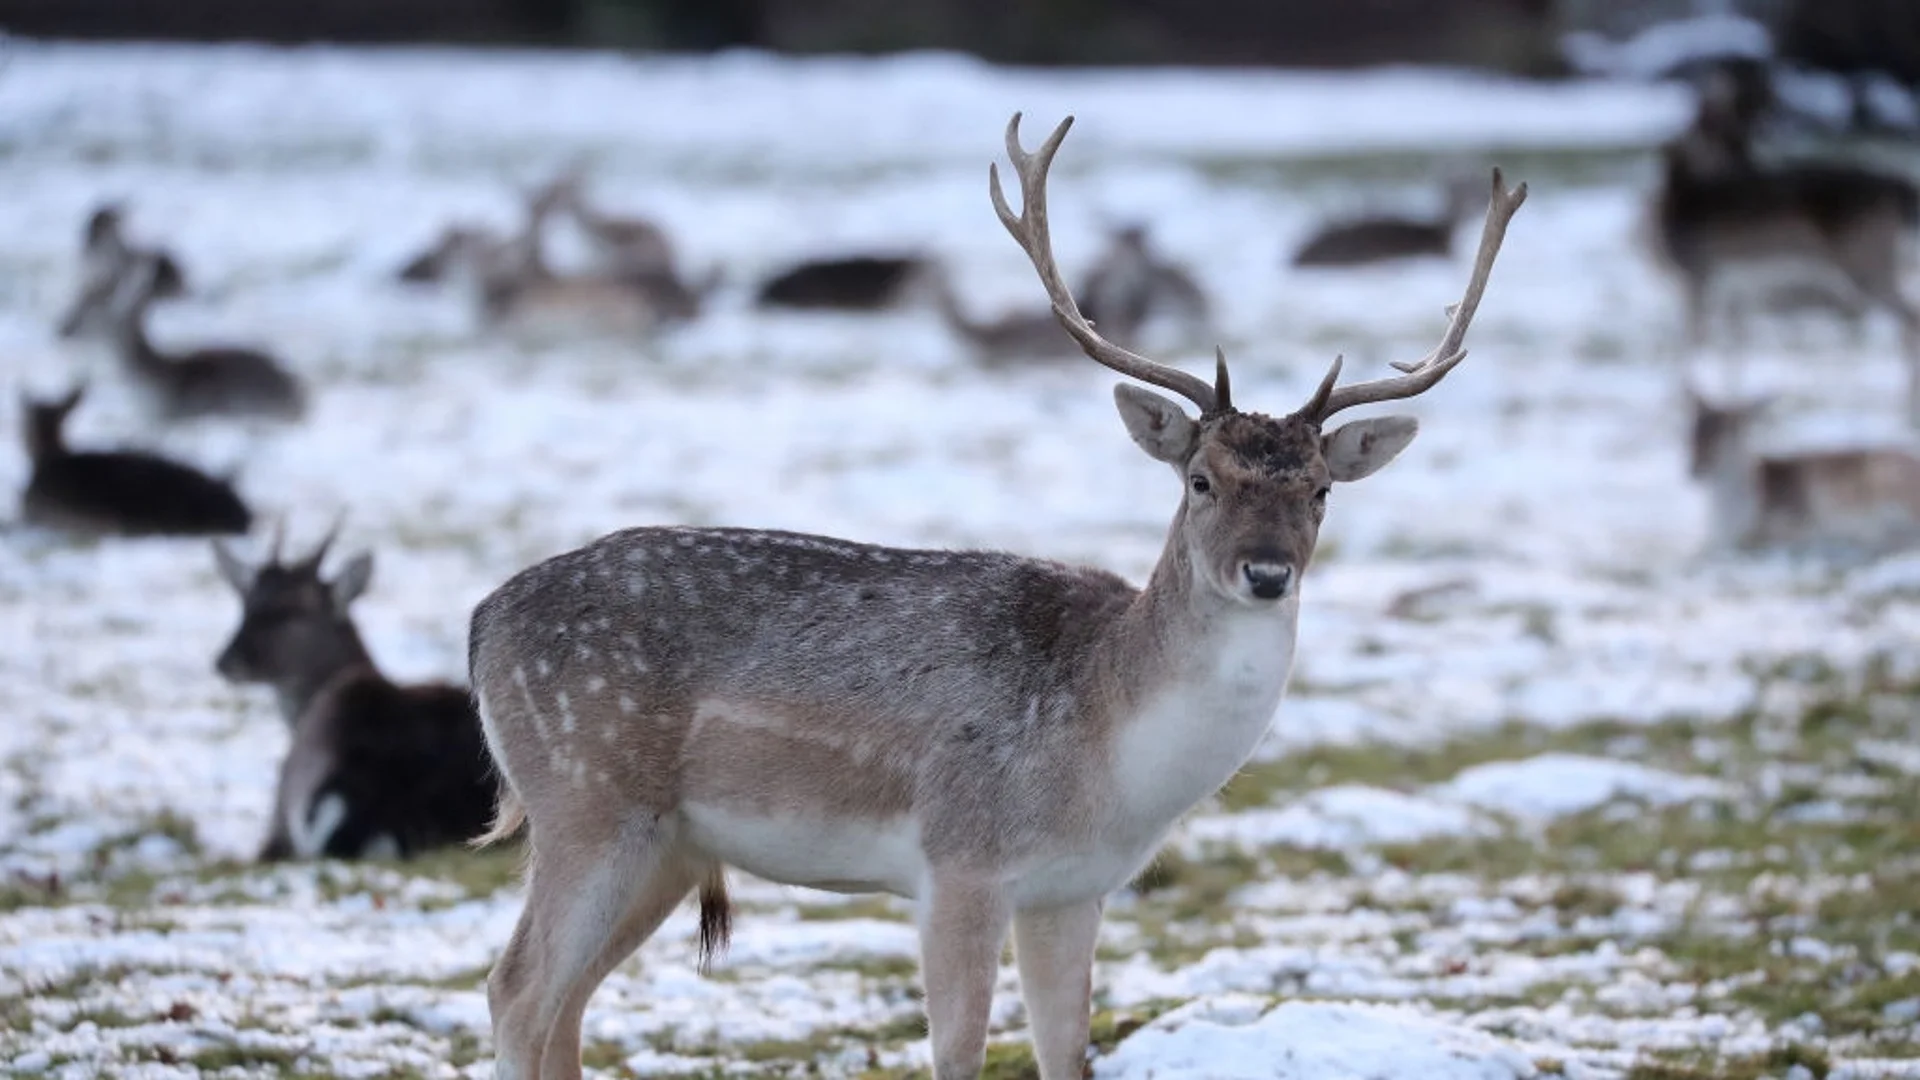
[1268,580]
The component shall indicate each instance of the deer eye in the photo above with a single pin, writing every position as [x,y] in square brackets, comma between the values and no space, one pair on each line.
[1321,495]
[1200,484]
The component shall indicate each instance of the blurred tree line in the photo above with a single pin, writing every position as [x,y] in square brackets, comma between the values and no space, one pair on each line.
[1512,35]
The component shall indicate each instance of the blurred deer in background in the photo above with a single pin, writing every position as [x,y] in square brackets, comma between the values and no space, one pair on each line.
[1131,283]
[117,492]
[1856,501]
[1004,739]
[207,381]
[845,282]
[1835,236]
[1364,241]
[107,259]
[375,769]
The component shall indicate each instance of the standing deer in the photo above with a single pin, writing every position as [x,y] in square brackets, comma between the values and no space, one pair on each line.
[1863,501]
[375,769]
[1840,234]
[1005,740]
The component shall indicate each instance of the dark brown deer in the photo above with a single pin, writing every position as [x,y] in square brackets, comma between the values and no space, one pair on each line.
[208,381]
[375,769]
[844,283]
[1720,217]
[117,492]
[1004,739]
[1365,241]
[108,258]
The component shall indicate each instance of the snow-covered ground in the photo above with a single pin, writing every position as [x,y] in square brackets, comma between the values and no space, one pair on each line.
[1552,795]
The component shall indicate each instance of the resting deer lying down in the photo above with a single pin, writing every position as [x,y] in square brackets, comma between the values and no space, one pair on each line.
[620,245]
[1844,501]
[844,282]
[516,287]
[108,258]
[1364,241]
[375,769]
[208,381]
[117,492]
[1004,739]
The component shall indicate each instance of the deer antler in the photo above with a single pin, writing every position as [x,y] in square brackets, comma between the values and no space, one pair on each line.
[311,564]
[1030,231]
[1448,354]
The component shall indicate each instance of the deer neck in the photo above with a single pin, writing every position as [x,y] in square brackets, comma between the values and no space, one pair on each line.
[135,347]
[326,663]
[1196,679]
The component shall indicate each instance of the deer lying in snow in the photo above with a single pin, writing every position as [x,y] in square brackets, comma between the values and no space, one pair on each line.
[1004,739]
[219,380]
[375,769]
[117,492]
[844,282]
[1364,241]
[620,245]
[107,258]
[1864,501]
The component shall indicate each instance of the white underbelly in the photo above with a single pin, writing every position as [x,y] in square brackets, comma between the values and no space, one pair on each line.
[841,856]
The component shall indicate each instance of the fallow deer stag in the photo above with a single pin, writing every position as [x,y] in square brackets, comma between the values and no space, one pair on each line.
[1003,739]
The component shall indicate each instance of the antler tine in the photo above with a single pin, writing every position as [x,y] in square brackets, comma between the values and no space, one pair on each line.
[1029,230]
[1444,358]
[311,564]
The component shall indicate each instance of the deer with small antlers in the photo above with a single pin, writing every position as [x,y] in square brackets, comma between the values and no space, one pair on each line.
[376,769]
[1003,739]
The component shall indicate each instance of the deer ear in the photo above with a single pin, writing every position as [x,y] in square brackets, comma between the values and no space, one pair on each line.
[1358,450]
[232,570]
[352,580]
[1162,428]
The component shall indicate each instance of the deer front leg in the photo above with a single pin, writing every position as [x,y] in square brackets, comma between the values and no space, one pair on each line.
[962,927]
[1054,949]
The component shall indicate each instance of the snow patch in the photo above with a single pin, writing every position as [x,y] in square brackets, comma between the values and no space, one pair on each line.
[1554,785]
[1234,1037]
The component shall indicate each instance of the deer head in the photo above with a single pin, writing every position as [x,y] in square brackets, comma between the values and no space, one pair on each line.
[1256,486]
[45,422]
[295,631]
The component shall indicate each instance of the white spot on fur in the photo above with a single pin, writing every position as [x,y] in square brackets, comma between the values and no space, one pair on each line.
[627,706]
[543,668]
[568,721]
[595,684]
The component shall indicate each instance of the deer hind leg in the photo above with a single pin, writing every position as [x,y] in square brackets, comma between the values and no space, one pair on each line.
[672,878]
[962,927]
[1054,949]
[589,889]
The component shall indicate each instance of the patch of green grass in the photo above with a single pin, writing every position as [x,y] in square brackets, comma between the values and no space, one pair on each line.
[875,906]
[480,873]
[875,966]
[233,1055]
[1773,1063]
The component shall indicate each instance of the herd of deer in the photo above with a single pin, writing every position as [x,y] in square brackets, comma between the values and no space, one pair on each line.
[1002,739]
